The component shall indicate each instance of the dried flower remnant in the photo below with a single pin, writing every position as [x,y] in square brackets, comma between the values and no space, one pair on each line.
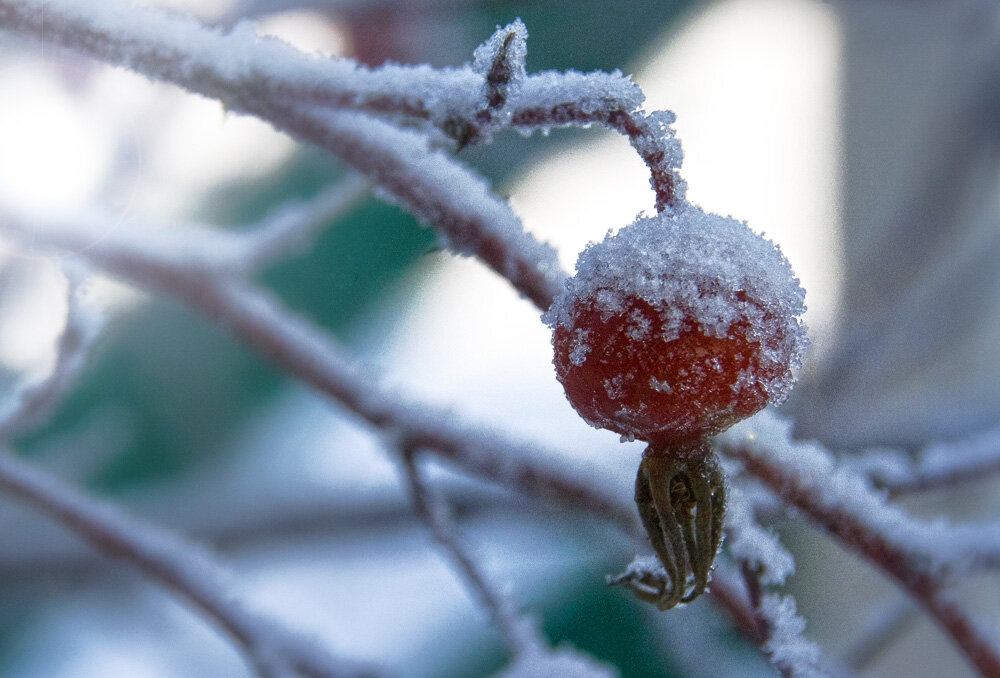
[671,331]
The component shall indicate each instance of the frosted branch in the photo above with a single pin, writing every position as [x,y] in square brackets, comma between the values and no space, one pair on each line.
[269,79]
[886,626]
[179,566]
[753,545]
[532,655]
[937,466]
[35,402]
[727,593]
[516,631]
[304,351]
[437,189]
[500,60]
[291,227]
[794,656]
[916,555]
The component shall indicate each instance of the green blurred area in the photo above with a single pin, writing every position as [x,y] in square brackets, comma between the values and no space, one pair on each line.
[186,387]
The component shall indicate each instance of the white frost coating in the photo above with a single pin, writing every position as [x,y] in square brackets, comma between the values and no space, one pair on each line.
[936,463]
[174,563]
[31,403]
[580,347]
[173,47]
[561,662]
[516,50]
[786,647]
[937,547]
[442,192]
[179,49]
[590,93]
[752,544]
[701,271]
[501,62]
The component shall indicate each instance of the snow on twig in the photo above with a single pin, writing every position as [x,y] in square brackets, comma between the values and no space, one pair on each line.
[290,227]
[348,109]
[753,545]
[179,566]
[938,548]
[938,465]
[239,63]
[272,80]
[500,60]
[532,655]
[304,351]
[34,402]
[516,631]
[269,79]
[917,555]
[788,650]
[779,628]
[438,190]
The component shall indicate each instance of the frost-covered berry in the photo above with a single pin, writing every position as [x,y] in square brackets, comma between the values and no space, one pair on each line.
[677,327]
[672,330]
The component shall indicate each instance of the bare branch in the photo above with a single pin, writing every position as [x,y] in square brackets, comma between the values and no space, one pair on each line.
[177,565]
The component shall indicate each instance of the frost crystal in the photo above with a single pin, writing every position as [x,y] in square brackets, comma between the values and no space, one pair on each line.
[786,647]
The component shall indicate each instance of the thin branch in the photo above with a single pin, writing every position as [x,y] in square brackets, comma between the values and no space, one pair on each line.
[727,593]
[291,227]
[272,80]
[435,514]
[879,633]
[649,134]
[175,564]
[755,594]
[302,350]
[434,187]
[938,466]
[33,403]
[842,504]
[788,650]
[751,544]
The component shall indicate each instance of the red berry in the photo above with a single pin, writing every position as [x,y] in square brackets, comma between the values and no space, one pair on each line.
[676,328]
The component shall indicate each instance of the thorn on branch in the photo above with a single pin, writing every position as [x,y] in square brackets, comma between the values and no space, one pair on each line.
[501,60]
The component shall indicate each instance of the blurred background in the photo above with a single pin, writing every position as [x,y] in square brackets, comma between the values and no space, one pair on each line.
[860,136]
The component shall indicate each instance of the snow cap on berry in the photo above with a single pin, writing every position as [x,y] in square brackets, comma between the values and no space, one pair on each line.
[659,282]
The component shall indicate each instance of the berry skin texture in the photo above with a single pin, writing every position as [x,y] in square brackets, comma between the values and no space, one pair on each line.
[672,392]
[677,327]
